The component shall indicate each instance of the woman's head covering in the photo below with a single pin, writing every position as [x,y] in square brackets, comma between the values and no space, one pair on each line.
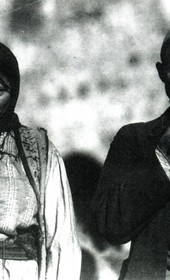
[10,70]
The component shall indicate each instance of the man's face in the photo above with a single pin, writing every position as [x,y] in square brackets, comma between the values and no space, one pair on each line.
[166,65]
[164,69]
[4,94]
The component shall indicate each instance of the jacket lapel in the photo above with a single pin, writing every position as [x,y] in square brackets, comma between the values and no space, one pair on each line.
[158,126]
[150,134]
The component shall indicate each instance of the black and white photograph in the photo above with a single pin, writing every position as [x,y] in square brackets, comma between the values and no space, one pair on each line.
[84,140]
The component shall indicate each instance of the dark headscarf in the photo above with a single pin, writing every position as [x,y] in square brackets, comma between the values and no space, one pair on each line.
[9,120]
[9,69]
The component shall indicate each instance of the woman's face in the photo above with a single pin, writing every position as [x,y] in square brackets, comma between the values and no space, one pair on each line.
[4,95]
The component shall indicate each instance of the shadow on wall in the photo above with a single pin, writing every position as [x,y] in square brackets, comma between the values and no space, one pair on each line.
[88,268]
[83,173]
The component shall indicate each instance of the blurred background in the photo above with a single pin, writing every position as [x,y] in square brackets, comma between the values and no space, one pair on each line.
[87,68]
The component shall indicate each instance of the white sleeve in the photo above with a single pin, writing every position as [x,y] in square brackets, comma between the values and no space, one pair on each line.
[63,250]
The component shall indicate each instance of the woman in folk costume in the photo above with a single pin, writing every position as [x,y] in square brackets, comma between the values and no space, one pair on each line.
[37,228]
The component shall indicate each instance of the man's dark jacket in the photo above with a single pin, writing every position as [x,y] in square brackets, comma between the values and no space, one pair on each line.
[132,202]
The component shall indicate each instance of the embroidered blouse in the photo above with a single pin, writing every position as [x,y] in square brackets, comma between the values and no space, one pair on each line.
[17,200]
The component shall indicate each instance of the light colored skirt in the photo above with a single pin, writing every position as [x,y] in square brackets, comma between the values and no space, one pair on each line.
[18,270]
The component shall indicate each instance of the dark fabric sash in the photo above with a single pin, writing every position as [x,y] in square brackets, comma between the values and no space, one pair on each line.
[23,247]
[12,252]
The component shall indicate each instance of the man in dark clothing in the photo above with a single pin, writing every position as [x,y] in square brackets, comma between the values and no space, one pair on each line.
[132,202]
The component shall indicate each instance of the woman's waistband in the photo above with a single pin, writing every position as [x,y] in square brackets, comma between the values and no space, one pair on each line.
[12,252]
[23,247]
